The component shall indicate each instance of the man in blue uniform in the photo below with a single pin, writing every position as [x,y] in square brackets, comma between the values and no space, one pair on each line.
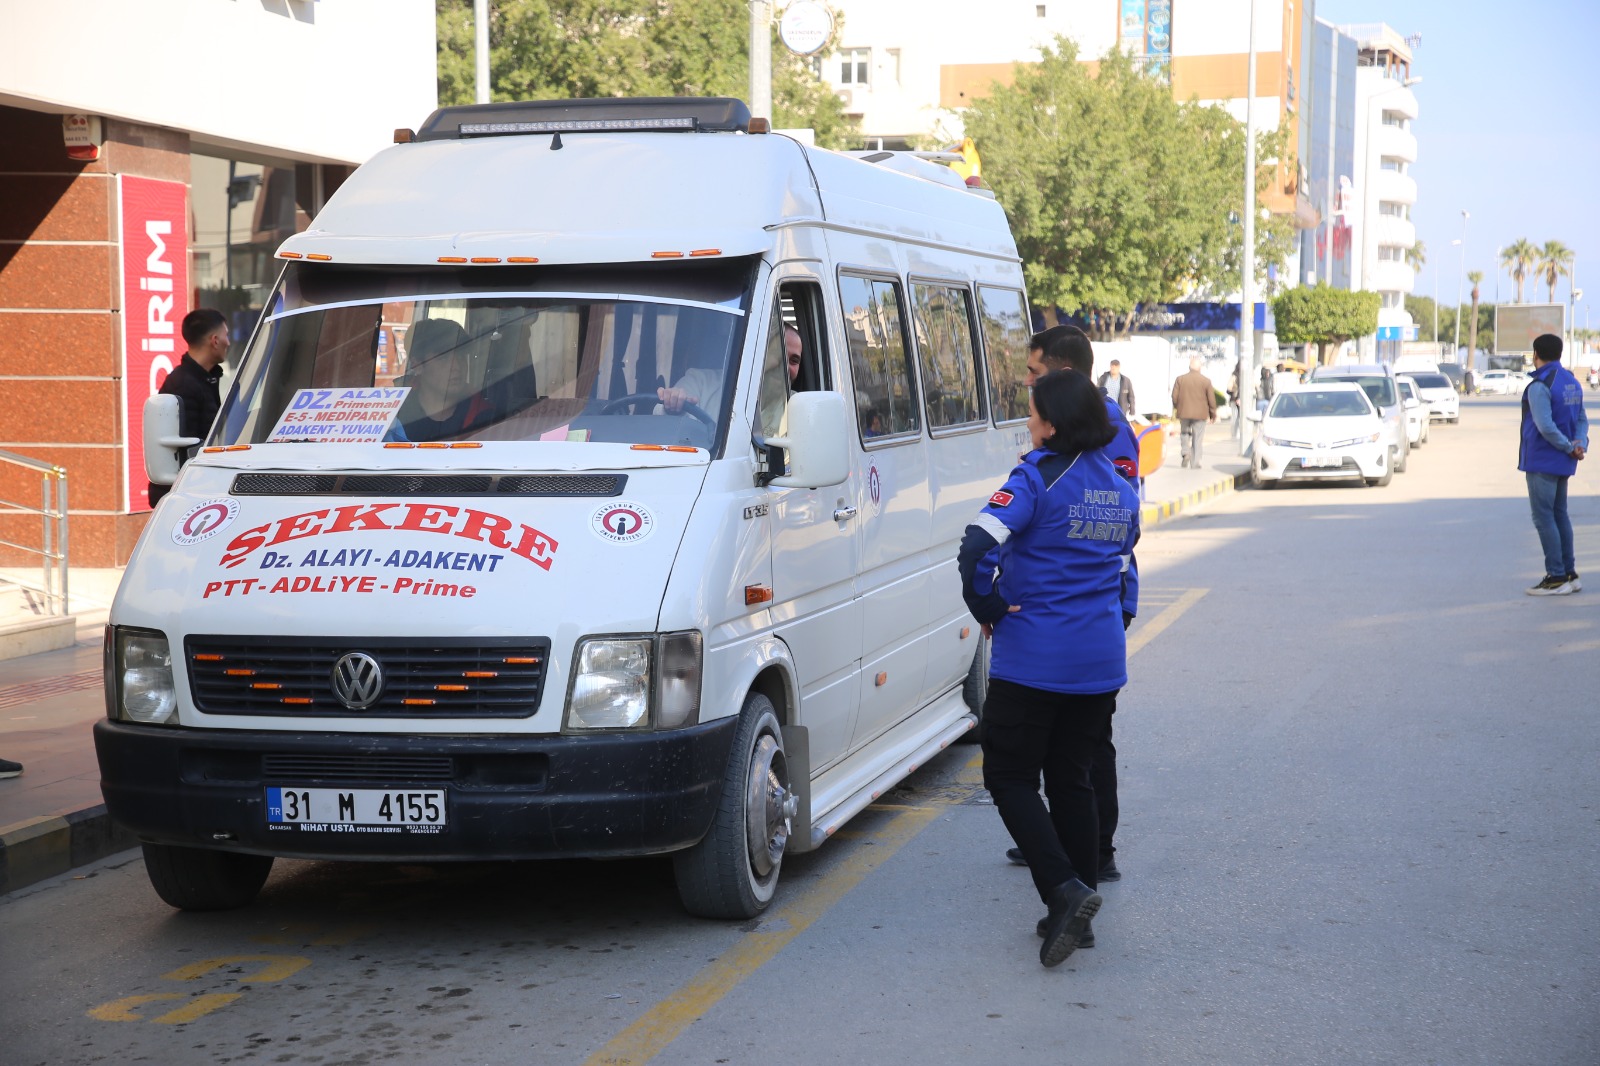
[1555,435]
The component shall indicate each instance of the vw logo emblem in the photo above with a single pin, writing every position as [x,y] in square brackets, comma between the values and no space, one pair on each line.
[357,680]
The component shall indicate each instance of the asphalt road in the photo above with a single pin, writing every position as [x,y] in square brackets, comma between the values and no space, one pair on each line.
[1359,826]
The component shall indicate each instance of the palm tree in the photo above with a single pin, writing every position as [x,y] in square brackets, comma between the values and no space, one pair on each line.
[1474,276]
[1555,262]
[1518,257]
[1416,256]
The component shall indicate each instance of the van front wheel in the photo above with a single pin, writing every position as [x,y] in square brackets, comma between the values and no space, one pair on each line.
[733,871]
[195,879]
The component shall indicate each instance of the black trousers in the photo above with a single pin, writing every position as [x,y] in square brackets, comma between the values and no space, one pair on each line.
[1029,731]
[1103,775]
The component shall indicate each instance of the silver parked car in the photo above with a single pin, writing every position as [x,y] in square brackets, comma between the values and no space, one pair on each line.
[1377,381]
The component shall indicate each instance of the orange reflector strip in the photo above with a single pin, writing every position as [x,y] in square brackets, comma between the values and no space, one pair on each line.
[467,444]
[319,257]
[417,703]
[217,448]
[398,444]
[240,673]
[649,447]
[207,658]
[666,255]
[486,259]
[452,259]
[480,673]
[522,660]
[450,688]
[265,684]
[754,594]
[289,255]
[433,444]
[295,699]
[682,448]
[237,448]
[522,259]
[706,251]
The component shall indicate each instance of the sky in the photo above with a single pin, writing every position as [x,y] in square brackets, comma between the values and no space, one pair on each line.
[1508,111]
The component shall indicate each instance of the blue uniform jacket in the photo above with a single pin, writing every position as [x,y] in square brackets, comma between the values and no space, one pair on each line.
[1056,540]
[1553,420]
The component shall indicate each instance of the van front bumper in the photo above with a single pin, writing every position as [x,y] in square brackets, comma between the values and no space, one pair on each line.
[506,796]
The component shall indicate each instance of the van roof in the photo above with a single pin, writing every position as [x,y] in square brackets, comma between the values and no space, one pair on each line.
[575,196]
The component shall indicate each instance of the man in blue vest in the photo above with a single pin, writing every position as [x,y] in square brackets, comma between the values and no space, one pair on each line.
[1555,435]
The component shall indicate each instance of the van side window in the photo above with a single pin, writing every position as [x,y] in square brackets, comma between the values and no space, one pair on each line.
[886,396]
[794,357]
[1006,332]
[951,390]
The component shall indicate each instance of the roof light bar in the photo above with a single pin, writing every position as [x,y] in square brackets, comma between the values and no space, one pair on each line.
[587,125]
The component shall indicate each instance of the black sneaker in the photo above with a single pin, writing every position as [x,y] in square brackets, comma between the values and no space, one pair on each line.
[1109,871]
[1072,905]
[9,769]
[1552,586]
[1016,856]
[1572,579]
[1084,941]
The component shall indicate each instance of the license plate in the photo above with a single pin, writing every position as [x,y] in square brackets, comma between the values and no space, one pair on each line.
[1323,461]
[354,809]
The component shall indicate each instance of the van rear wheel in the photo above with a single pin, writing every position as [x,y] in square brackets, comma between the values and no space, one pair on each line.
[195,879]
[975,690]
[733,871]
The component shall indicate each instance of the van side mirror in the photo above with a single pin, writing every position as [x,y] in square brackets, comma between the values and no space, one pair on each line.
[163,448]
[818,443]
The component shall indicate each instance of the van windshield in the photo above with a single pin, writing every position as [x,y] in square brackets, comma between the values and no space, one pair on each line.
[349,355]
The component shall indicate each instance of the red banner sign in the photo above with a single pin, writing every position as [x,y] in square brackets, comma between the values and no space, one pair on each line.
[155,297]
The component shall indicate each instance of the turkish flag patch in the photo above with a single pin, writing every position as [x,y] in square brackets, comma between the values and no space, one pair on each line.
[1129,468]
[1000,499]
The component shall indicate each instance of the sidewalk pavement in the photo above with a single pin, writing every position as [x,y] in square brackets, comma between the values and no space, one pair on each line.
[52,818]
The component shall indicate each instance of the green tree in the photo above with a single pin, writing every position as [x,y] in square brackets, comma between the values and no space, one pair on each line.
[1555,263]
[1417,256]
[1519,257]
[1117,194]
[1476,277]
[1324,316]
[563,49]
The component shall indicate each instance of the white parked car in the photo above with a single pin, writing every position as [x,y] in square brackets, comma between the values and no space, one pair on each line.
[1317,432]
[1439,393]
[1502,383]
[1416,410]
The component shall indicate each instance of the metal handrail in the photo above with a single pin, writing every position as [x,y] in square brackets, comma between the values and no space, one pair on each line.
[52,510]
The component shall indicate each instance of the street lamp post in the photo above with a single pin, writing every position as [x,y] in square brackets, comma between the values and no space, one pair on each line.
[1455,349]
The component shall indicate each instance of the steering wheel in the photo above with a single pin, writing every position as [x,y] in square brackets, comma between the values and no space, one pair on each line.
[637,398]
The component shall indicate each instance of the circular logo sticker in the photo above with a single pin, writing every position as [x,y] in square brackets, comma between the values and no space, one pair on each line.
[204,521]
[623,522]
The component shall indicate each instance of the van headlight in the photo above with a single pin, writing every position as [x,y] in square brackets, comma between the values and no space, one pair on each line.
[139,677]
[636,682]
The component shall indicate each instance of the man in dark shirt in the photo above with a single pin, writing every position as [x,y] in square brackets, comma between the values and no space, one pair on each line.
[194,380]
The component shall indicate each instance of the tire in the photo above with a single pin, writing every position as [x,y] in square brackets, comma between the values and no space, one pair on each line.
[1397,463]
[976,689]
[197,879]
[733,871]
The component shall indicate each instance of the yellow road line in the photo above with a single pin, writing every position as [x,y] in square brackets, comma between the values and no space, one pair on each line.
[1153,628]
[662,1024]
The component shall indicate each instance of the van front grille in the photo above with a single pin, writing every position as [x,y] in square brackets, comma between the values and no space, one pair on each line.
[294,677]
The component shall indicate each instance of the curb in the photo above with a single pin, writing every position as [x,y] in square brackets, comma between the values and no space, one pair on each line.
[44,847]
[1154,513]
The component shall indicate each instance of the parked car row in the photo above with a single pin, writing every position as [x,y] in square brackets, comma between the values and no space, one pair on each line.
[1356,421]
[1501,383]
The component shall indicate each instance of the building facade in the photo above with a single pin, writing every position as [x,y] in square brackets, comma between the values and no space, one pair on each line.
[152,157]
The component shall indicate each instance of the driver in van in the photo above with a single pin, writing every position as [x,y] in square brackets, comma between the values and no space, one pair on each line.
[702,386]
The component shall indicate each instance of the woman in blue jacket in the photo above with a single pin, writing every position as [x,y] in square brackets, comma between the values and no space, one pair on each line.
[1044,568]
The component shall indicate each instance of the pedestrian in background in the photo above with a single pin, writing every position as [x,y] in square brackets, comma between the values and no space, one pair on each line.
[1064,525]
[1118,388]
[1194,403]
[194,381]
[1555,436]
